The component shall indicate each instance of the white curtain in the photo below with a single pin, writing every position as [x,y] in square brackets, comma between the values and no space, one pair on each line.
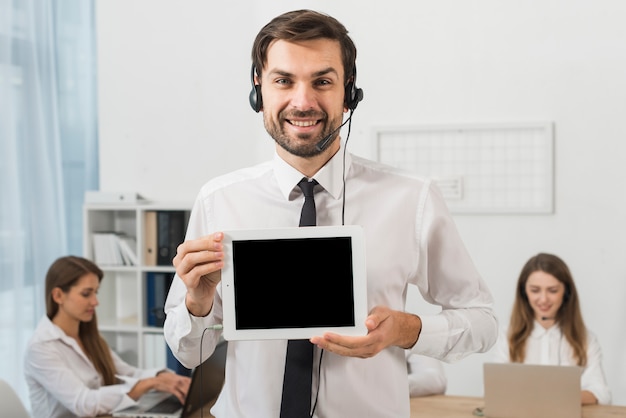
[48,156]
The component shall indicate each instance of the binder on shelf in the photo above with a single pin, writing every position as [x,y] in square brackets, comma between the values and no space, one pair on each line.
[128,248]
[157,287]
[106,250]
[170,233]
[150,238]
[101,254]
[114,249]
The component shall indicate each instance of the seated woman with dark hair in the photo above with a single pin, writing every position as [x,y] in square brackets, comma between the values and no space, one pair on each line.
[70,370]
[546,326]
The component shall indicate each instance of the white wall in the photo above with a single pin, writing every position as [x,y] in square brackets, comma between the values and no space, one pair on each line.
[174,82]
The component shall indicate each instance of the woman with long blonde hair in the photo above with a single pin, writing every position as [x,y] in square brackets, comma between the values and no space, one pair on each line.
[546,326]
[70,369]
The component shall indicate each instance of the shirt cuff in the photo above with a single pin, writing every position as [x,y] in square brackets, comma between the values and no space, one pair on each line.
[433,337]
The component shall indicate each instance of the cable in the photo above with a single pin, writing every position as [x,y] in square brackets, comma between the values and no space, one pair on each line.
[319,382]
[343,174]
[201,376]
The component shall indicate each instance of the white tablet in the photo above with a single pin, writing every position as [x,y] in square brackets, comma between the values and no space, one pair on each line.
[294,283]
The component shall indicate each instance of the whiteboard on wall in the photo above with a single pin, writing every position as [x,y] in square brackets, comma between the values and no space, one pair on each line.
[505,168]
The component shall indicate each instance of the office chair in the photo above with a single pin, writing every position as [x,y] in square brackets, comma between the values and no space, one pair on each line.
[11,404]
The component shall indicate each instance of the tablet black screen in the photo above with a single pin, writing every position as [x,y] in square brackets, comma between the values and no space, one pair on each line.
[293,283]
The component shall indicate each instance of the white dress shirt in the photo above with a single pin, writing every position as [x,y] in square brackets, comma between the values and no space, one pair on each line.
[62,381]
[550,347]
[410,239]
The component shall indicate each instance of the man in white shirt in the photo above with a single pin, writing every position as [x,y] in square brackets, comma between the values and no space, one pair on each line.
[304,78]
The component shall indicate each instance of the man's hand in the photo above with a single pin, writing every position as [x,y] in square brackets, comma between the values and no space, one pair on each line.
[385,327]
[198,263]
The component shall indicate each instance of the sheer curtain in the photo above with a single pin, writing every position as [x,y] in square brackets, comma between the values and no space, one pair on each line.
[48,156]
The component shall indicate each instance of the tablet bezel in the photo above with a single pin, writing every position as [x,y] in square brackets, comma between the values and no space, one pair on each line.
[357,239]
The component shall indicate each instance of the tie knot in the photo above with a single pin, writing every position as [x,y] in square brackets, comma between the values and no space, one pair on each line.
[307,186]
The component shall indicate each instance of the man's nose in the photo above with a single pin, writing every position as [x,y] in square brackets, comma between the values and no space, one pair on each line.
[304,97]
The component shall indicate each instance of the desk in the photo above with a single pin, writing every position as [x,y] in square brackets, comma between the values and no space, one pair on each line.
[446,406]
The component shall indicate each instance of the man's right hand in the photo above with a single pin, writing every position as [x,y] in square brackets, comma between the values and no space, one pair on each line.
[198,263]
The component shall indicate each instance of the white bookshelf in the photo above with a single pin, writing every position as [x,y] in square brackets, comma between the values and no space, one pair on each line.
[122,310]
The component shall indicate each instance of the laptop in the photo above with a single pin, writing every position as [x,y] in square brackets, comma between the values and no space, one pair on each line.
[206,383]
[515,390]
[268,293]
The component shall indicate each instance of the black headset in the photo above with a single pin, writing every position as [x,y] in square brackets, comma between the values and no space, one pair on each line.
[352,95]
[256,100]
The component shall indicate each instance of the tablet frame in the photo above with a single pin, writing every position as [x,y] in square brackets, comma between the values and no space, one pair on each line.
[359,281]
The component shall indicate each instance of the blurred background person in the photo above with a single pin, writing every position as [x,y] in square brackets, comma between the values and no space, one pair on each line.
[546,327]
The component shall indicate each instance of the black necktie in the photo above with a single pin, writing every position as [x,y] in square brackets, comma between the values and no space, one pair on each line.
[296,401]
[307,216]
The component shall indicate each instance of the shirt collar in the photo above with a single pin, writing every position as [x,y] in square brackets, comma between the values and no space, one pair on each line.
[49,331]
[330,176]
[539,331]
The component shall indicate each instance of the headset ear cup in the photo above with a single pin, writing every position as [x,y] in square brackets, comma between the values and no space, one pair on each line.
[358,96]
[348,95]
[353,95]
[256,100]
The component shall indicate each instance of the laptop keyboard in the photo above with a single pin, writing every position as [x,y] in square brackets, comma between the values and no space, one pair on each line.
[168,405]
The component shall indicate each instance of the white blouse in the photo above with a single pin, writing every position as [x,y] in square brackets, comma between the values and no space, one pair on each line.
[63,382]
[549,346]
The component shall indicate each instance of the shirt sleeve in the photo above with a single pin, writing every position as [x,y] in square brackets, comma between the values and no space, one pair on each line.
[593,378]
[447,277]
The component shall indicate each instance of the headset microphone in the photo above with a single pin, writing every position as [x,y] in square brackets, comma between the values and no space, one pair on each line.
[324,142]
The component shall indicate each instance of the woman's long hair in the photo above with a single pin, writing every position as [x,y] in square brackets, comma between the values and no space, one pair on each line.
[568,317]
[65,273]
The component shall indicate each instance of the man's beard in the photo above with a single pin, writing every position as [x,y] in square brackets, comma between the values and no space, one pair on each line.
[290,145]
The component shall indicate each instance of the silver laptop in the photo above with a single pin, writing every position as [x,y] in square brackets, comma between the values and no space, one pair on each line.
[206,383]
[515,390]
